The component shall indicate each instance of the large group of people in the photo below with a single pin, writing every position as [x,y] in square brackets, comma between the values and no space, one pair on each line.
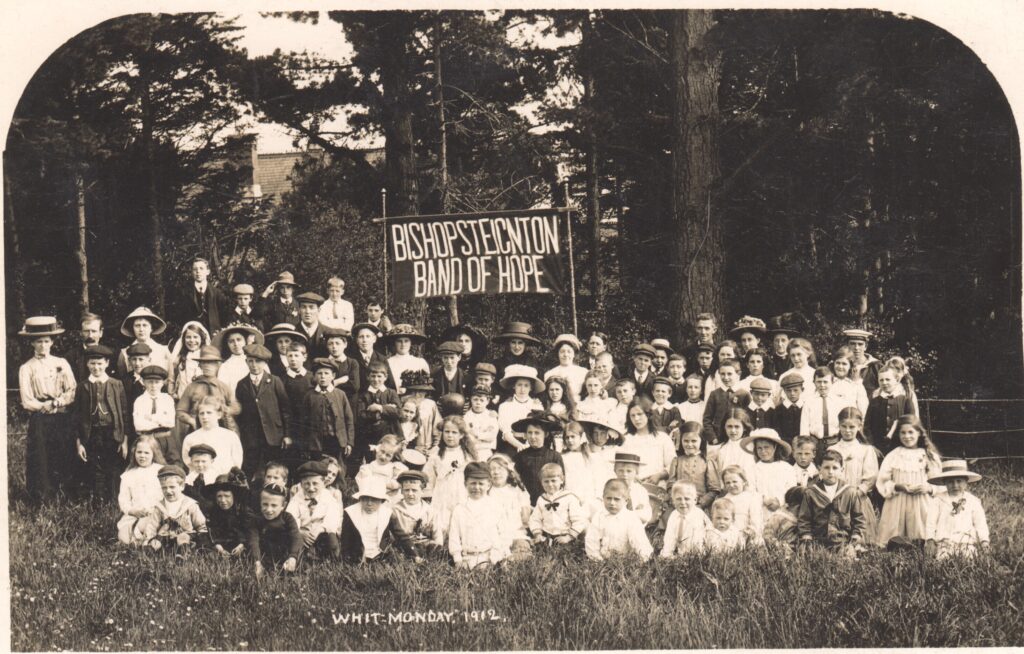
[278,428]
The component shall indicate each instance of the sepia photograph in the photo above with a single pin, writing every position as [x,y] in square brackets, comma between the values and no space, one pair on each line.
[406,329]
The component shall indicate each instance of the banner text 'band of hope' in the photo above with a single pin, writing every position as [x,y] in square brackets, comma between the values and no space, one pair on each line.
[476,254]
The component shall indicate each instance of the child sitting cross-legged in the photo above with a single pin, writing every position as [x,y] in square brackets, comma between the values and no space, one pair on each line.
[687,524]
[558,516]
[415,514]
[370,527]
[615,529]
[832,512]
[317,512]
[175,521]
[227,516]
[273,536]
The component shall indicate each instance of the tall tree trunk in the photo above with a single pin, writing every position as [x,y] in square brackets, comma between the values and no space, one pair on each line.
[81,254]
[399,144]
[697,255]
[17,284]
[593,174]
[442,149]
[152,208]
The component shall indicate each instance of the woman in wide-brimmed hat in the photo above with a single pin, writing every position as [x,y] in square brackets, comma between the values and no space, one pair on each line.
[231,341]
[519,341]
[566,347]
[400,340]
[143,325]
[47,389]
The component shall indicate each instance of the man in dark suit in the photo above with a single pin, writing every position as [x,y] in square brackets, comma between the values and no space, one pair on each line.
[278,303]
[92,334]
[309,325]
[101,409]
[640,370]
[202,301]
[265,412]
[705,329]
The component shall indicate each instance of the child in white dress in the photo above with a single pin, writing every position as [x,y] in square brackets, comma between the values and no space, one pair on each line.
[860,461]
[140,486]
[903,482]
[772,475]
[957,525]
[748,515]
[444,469]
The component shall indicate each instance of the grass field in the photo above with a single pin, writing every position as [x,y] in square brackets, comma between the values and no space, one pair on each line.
[73,588]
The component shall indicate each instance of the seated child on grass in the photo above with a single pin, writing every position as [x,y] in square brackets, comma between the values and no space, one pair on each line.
[724,535]
[687,524]
[747,504]
[415,514]
[317,513]
[558,516]
[227,516]
[274,536]
[513,502]
[275,472]
[476,537]
[140,486]
[832,512]
[200,463]
[691,466]
[614,529]
[780,528]
[956,523]
[176,521]
[370,527]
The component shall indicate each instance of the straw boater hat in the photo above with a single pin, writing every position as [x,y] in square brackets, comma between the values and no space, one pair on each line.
[415,459]
[475,335]
[519,371]
[142,312]
[403,330]
[38,326]
[518,330]
[952,469]
[748,324]
[286,329]
[245,329]
[662,344]
[541,419]
[857,334]
[765,434]
[627,457]
[374,487]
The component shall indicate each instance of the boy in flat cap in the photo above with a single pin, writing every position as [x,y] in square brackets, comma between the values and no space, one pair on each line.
[309,323]
[448,377]
[101,409]
[317,513]
[153,413]
[243,311]
[176,522]
[329,423]
[265,411]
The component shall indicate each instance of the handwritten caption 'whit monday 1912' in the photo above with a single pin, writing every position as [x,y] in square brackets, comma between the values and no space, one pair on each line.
[414,617]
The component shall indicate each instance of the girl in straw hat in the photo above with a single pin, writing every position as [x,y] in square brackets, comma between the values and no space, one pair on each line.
[956,524]
[47,388]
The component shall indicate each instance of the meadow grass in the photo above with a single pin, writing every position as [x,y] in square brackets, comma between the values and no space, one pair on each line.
[72,587]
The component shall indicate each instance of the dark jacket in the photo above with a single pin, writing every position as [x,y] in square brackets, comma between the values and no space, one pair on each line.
[528,464]
[326,415]
[228,528]
[265,410]
[113,393]
[272,311]
[274,541]
[209,308]
[364,368]
[717,407]
[371,425]
[832,522]
[76,357]
[296,388]
[881,414]
[458,384]
[317,345]
[786,421]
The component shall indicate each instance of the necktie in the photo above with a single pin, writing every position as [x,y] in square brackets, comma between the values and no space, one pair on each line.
[312,502]
[959,505]
[153,411]
[334,310]
[824,416]
[96,389]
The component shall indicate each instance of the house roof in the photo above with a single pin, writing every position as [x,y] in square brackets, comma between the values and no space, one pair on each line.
[274,170]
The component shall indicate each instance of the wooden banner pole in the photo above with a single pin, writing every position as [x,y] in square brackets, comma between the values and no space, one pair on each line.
[384,226]
[572,262]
